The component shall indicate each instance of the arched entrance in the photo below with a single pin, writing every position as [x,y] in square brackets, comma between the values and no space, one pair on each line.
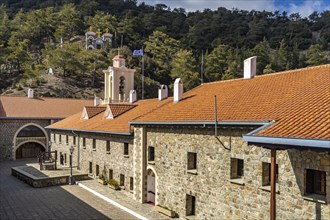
[151,186]
[29,140]
[29,150]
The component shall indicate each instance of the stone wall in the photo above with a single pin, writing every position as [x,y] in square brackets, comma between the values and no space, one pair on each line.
[114,159]
[8,128]
[217,195]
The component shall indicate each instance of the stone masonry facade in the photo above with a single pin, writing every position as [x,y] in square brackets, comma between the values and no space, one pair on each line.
[217,196]
[114,159]
[8,129]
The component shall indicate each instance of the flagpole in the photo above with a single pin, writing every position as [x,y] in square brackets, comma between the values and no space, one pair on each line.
[142,74]
[202,66]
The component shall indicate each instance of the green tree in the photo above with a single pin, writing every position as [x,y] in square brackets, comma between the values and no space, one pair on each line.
[184,67]
[262,51]
[268,69]
[315,56]
[216,63]
[67,60]
[162,49]
[69,22]
[103,22]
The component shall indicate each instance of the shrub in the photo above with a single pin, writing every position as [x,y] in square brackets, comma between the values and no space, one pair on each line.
[113,182]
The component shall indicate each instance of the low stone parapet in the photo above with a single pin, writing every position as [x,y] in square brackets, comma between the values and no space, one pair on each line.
[39,182]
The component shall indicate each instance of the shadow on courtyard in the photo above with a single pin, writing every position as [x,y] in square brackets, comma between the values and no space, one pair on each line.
[19,200]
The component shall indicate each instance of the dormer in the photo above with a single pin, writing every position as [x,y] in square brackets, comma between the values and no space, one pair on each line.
[114,110]
[91,111]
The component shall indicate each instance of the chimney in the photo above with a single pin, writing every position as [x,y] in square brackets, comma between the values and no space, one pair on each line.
[178,90]
[97,101]
[30,93]
[162,92]
[250,67]
[132,96]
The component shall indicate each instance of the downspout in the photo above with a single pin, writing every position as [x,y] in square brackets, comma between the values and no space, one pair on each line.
[78,147]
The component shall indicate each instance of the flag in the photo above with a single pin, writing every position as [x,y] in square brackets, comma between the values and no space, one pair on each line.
[138,52]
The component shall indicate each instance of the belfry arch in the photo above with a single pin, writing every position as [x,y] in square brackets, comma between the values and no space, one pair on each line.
[29,140]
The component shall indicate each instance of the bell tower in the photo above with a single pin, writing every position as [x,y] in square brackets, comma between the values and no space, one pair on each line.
[118,81]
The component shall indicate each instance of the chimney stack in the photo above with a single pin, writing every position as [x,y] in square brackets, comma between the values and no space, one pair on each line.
[162,92]
[178,90]
[132,96]
[250,67]
[30,93]
[97,101]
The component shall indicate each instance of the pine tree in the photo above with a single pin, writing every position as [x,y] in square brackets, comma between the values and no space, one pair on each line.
[184,67]
[315,56]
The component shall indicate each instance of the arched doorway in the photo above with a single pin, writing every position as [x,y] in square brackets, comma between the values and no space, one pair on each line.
[29,140]
[29,150]
[151,187]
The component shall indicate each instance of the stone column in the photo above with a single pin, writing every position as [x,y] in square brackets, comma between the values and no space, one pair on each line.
[139,163]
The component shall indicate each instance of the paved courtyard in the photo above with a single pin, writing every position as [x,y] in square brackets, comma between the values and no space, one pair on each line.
[21,201]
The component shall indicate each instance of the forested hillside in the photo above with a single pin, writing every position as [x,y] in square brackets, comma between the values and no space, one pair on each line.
[176,43]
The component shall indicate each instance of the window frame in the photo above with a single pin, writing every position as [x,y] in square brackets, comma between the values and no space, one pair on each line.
[151,154]
[191,161]
[126,149]
[313,185]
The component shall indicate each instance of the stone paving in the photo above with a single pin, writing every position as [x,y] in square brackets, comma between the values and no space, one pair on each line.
[21,201]
[124,198]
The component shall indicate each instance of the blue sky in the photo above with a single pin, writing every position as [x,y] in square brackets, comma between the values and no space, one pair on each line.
[304,7]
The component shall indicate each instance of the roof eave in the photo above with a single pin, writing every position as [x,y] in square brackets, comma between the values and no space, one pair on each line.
[302,142]
[255,123]
[90,131]
[34,118]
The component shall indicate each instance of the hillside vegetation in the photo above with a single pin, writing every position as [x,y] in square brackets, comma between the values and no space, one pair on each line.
[176,44]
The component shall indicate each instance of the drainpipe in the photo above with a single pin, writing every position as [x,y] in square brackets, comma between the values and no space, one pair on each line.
[78,147]
[273,185]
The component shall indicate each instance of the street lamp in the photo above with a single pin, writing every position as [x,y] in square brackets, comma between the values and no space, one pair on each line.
[71,182]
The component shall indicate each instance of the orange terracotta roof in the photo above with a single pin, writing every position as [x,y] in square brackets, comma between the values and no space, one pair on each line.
[297,100]
[14,106]
[94,110]
[118,124]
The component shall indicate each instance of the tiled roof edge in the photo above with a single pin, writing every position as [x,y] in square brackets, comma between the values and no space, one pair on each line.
[302,142]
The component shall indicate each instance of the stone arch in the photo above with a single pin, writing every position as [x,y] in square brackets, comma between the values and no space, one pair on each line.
[152,172]
[16,146]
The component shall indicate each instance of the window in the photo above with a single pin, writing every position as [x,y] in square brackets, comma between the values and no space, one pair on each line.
[151,154]
[94,144]
[97,171]
[266,174]
[192,161]
[315,182]
[190,205]
[131,183]
[108,146]
[54,138]
[90,167]
[122,180]
[60,138]
[126,149]
[110,174]
[84,143]
[66,139]
[65,158]
[74,140]
[236,171]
